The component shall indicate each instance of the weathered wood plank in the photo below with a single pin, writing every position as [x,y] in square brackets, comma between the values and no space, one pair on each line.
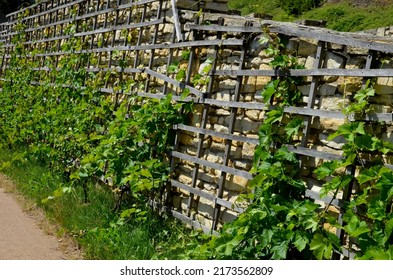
[217,166]
[99,31]
[222,135]
[312,153]
[308,72]
[224,28]
[195,191]
[174,82]
[328,36]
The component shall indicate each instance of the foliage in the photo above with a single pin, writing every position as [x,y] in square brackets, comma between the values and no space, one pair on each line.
[340,15]
[83,134]
[368,218]
[280,223]
[297,7]
[136,233]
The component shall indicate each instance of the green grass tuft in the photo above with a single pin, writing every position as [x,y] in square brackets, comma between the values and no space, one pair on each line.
[102,233]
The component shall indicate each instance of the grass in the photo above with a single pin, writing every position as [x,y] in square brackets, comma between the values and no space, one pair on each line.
[341,16]
[346,17]
[101,233]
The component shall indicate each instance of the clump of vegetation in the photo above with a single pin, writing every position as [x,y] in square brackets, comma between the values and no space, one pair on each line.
[344,15]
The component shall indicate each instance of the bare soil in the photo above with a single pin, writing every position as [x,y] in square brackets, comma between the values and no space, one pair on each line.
[25,233]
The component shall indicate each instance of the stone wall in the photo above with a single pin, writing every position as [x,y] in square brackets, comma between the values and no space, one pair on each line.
[212,193]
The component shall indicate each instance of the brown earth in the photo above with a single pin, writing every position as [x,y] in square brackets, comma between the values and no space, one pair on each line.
[25,233]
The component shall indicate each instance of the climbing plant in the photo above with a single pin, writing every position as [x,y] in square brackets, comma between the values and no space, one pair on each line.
[58,111]
[280,222]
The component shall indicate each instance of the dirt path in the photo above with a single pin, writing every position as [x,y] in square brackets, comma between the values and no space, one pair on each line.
[20,236]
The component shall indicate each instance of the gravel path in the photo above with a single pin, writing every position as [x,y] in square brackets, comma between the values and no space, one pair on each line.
[20,236]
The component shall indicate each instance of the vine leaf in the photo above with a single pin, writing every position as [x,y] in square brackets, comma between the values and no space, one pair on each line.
[355,227]
[326,169]
[292,128]
[385,184]
[269,90]
[388,230]
[349,131]
[301,241]
[321,246]
[280,251]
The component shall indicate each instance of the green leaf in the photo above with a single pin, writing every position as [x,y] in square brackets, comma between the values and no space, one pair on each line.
[280,251]
[355,227]
[388,230]
[284,154]
[378,253]
[368,174]
[275,115]
[321,246]
[301,240]
[326,169]
[292,128]
[349,130]
[269,90]
[338,182]
[385,184]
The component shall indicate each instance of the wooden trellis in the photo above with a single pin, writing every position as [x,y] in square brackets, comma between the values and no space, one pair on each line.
[105,27]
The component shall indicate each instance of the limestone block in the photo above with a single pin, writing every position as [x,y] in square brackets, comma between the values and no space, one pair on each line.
[248,151]
[185,178]
[184,203]
[335,47]
[305,90]
[222,112]
[333,103]
[292,45]
[191,151]
[220,128]
[336,143]
[385,99]
[205,207]
[228,67]
[212,157]
[333,61]
[243,164]
[253,114]
[204,221]
[236,183]
[384,85]
[356,62]
[228,216]
[307,47]
[221,121]
[212,188]
[245,125]
[327,90]
[207,178]
[224,95]
[255,47]
[327,123]
[349,84]
[376,108]
[186,139]
[356,50]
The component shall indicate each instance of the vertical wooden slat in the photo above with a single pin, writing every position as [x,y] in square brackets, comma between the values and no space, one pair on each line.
[205,113]
[231,129]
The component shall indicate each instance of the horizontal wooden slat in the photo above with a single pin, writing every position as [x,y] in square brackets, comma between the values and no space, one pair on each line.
[312,153]
[195,191]
[216,166]
[223,28]
[327,36]
[174,82]
[202,43]
[217,134]
[307,72]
